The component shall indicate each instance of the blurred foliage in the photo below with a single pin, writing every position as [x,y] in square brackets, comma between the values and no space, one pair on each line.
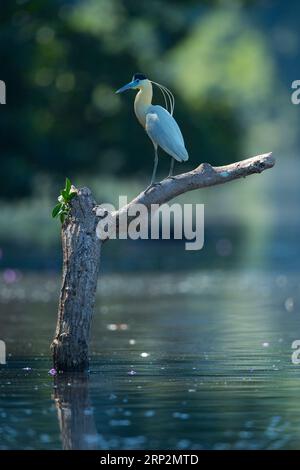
[63,59]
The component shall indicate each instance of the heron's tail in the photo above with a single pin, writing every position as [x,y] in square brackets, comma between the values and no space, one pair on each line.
[180,154]
[184,155]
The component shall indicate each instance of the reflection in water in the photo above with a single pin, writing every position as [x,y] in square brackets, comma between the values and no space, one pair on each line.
[74,411]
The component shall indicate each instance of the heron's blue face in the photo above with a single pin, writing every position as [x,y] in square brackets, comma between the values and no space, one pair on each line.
[133,84]
[138,81]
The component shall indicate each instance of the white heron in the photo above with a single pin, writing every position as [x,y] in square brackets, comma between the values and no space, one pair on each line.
[158,122]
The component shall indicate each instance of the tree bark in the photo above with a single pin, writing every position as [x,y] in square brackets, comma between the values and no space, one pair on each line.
[81,252]
[81,260]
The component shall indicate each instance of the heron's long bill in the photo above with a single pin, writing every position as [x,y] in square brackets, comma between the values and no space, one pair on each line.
[126,87]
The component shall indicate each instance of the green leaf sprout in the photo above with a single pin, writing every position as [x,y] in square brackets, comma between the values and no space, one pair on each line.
[62,209]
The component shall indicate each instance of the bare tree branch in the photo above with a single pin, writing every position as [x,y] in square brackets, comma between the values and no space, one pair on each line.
[203,176]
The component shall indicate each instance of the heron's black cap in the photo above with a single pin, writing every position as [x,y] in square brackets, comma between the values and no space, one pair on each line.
[139,76]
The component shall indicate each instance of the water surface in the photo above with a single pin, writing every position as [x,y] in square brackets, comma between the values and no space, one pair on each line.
[194,360]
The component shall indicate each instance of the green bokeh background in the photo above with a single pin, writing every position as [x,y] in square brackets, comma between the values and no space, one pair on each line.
[230,65]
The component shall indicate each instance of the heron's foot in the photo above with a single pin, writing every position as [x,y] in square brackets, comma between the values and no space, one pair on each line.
[170,177]
[152,185]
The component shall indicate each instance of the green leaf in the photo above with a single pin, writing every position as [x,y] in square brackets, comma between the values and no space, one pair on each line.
[62,209]
[71,195]
[68,185]
[64,194]
[56,210]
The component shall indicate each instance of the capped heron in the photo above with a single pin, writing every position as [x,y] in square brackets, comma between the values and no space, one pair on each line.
[158,122]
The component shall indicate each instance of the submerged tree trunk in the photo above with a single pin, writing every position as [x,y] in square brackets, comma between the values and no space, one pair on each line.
[81,260]
[81,252]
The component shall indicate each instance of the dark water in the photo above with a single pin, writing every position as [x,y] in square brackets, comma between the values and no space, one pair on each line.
[197,360]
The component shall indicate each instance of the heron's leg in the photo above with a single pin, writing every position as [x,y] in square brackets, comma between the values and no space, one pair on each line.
[171,167]
[154,171]
[170,175]
[154,166]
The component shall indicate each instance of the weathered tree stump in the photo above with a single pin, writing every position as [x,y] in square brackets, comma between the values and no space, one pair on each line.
[81,252]
[81,261]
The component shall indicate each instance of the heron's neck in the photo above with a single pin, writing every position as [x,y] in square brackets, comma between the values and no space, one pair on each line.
[142,102]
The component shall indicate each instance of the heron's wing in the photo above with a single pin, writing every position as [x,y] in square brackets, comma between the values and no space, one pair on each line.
[163,130]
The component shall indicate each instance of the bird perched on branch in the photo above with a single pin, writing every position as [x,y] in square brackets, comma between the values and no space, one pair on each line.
[158,122]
